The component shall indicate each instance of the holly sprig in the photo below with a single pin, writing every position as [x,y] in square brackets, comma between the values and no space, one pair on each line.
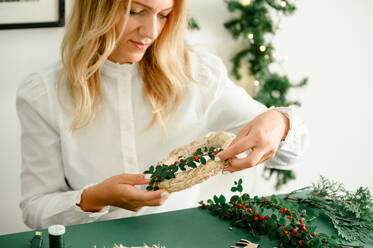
[167,171]
[274,216]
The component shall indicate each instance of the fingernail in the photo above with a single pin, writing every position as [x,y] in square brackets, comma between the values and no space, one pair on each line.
[217,159]
[226,172]
[148,176]
[164,194]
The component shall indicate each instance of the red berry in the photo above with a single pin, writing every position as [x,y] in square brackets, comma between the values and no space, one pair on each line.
[300,242]
[239,205]
[203,205]
[249,210]
[301,221]
[294,231]
[280,211]
[265,217]
[235,203]
[216,151]
[256,213]
[256,218]
[175,163]
[265,200]
[304,228]
[261,217]
[181,160]
[289,217]
[313,234]
[286,232]
[245,205]
[196,158]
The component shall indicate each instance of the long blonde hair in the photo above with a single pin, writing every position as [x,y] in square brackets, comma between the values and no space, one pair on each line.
[89,40]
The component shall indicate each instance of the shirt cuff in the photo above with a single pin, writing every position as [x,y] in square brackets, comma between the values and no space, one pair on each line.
[288,155]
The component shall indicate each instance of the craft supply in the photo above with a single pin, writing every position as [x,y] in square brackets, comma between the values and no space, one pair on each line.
[56,236]
[245,244]
[198,155]
[37,240]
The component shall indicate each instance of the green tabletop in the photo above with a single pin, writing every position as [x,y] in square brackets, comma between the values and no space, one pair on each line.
[177,229]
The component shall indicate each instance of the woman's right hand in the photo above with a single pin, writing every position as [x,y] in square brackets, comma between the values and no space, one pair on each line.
[119,191]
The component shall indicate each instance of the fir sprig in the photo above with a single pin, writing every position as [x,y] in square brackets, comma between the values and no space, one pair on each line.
[350,212]
[164,171]
[274,216]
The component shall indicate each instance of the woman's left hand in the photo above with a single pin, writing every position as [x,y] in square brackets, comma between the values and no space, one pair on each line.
[262,135]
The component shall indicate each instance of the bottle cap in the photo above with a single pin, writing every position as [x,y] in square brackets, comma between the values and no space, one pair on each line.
[56,230]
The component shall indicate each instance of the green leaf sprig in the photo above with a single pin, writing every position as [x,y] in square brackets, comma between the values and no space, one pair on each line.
[274,216]
[350,212]
[164,171]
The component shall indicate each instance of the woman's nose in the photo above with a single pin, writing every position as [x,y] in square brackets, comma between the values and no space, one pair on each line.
[150,27]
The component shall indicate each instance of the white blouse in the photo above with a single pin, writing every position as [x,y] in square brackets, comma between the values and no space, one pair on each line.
[57,165]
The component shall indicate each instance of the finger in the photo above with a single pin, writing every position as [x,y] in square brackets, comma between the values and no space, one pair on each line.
[133,179]
[267,157]
[148,196]
[244,144]
[243,163]
[157,202]
[244,132]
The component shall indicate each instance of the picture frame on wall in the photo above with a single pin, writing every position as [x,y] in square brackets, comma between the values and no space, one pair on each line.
[16,14]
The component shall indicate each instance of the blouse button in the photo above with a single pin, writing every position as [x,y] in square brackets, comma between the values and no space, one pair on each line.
[130,161]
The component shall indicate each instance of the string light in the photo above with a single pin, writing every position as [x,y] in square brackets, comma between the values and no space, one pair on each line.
[246,2]
[250,36]
[283,4]
[262,48]
[256,83]
[266,56]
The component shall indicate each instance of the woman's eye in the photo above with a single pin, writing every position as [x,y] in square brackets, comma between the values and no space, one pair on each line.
[132,12]
[163,16]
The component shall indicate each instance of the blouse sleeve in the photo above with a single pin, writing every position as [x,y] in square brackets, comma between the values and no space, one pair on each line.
[231,108]
[46,196]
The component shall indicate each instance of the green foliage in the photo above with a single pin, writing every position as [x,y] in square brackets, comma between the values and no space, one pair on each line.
[280,219]
[253,22]
[192,24]
[282,176]
[166,172]
[350,212]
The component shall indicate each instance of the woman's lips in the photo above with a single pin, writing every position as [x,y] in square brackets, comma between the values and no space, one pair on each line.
[140,45]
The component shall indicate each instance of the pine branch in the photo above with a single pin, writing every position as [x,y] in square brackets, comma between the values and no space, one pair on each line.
[350,212]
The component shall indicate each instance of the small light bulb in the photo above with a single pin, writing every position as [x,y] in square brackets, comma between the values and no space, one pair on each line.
[256,83]
[262,48]
[283,4]
[250,36]
[245,2]
[266,56]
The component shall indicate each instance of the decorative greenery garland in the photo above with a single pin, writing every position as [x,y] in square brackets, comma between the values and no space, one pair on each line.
[283,220]
[253,24]
[164,171]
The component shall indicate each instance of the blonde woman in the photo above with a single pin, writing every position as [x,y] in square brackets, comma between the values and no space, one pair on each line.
[126,93]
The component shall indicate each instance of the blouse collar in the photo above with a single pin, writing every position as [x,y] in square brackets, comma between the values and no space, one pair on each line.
[113,67]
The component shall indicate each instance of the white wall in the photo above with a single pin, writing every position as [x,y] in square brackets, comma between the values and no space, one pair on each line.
[328,41]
